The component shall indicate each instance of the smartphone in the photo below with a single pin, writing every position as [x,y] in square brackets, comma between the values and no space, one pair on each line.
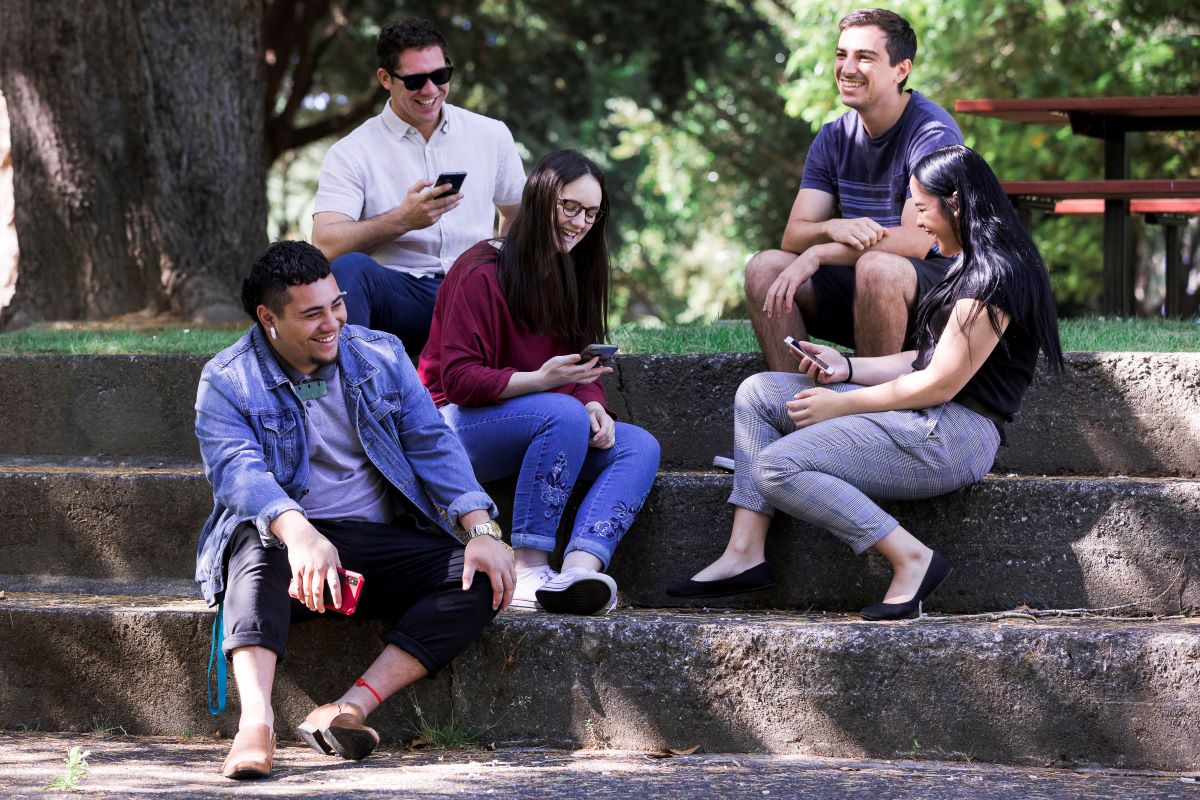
[352,586]
[455,179]
[604,351]
[792,343]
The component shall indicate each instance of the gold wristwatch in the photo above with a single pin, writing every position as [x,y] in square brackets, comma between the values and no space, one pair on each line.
[491,528]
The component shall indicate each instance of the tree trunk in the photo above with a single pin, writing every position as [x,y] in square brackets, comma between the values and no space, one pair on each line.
[137,151]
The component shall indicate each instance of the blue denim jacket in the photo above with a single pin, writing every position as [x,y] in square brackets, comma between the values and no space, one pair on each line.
[252,438]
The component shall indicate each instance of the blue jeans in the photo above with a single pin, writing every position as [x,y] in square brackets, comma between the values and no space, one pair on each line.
[543,438]
[387,300]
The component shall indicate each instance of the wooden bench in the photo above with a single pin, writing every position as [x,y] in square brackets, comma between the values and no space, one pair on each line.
[1165,202]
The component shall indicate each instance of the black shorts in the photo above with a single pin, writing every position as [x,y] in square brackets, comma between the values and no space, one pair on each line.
[834,290]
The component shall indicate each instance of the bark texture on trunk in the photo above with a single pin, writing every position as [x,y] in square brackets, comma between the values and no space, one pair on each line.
[137,153]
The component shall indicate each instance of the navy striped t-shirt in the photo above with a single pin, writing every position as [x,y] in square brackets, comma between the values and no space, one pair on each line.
[868,177]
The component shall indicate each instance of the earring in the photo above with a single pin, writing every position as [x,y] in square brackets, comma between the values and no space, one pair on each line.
[275,335]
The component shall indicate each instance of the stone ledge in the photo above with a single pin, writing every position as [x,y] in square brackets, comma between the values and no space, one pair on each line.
[1118,694]
[1045,542]
[1110,414]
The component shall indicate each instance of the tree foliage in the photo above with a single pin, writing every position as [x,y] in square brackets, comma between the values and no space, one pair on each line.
[703,110]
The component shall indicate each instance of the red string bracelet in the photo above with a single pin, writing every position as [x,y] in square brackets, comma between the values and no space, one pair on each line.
[371,689]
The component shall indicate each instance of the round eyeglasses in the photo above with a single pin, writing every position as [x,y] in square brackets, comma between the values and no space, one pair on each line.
[572,208]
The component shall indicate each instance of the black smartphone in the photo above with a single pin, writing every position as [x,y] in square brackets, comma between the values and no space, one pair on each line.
[604,351]
[455,179]
[792,343]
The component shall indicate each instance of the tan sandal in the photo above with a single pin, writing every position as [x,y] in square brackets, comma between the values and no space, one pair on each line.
[339,728]
[251,754]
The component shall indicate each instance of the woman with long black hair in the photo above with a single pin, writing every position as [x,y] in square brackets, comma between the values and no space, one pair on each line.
[907,426]
[504,364]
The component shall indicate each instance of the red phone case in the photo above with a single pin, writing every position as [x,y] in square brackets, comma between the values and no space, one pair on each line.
[352,586]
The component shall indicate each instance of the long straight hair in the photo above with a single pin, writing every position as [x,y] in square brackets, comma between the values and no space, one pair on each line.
[562,294]
[1000,263]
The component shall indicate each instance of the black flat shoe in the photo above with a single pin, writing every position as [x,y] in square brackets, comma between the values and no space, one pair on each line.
[939,569]
[752,580]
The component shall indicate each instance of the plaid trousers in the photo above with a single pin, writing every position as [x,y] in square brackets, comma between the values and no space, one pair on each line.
[828,473]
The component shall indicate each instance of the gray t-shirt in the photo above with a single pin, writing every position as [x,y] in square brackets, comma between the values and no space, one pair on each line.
[343,484]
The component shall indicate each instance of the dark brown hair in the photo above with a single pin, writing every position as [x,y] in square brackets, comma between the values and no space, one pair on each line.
[549,291]
[901,39]
[410,33]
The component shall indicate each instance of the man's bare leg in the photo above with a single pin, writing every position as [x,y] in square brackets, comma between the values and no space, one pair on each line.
[252,753]
[341,726]
[761,271]
[254,674]
[885,295]
[389,673]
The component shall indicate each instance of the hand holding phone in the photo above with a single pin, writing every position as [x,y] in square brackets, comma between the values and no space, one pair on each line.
[795,345]
[455,179]
[352,586]
[604,351]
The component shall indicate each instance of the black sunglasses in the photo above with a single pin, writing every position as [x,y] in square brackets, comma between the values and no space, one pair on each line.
[413,83]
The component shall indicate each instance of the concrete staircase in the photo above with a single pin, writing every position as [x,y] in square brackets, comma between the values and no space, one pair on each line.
[1094,505]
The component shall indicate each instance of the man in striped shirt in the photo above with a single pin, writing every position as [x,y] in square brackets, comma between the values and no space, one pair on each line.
[852,260]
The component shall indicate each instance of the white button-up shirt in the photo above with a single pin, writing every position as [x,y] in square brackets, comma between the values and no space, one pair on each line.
[370,171]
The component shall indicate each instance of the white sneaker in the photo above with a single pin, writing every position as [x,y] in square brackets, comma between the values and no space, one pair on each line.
[578,591]
[528,582]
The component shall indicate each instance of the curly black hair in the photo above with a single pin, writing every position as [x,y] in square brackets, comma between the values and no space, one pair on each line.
[281,265]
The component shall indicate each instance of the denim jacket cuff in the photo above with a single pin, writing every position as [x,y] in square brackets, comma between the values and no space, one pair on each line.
[471,501]
[268,515]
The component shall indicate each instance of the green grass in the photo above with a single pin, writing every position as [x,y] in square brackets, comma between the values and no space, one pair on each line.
[117,341]
[1087,334]
[1096,334]
[1084,334]
[75,770]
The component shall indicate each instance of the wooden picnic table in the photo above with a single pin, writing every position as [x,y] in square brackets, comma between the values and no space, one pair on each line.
[1110,119]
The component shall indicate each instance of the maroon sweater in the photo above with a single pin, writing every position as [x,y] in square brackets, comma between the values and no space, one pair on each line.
[474,343]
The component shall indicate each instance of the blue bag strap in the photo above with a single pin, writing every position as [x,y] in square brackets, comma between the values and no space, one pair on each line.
[217,654]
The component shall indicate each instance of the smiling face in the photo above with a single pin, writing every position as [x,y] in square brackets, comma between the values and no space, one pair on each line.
[307,327]
[584,190]
[421,108]
[865,76]
[934,221]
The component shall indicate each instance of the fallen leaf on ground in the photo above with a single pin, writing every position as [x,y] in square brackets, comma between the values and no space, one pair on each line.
[671,752]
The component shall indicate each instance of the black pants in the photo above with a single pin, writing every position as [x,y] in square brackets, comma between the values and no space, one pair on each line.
[834,287]
[412,578]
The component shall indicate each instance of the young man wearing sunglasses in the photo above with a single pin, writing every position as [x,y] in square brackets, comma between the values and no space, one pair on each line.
[389,231]
[852,260]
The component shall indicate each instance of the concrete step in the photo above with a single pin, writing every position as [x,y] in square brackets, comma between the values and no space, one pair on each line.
[1049,692]
[1044,542]
[1110,414]
[173,768]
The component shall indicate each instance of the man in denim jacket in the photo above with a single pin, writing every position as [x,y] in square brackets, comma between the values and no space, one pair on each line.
[324,451]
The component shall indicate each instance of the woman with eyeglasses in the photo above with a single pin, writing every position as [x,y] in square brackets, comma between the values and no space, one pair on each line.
[504,364]
[823,447]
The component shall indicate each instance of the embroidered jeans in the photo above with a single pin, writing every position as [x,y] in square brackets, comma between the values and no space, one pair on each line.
[543,439]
